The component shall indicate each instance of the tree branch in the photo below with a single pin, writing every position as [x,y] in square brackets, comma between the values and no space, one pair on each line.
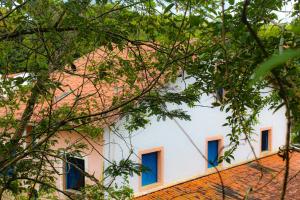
[14,9]
[282,94]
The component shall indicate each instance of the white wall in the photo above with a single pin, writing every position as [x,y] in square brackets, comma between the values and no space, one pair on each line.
[181,159]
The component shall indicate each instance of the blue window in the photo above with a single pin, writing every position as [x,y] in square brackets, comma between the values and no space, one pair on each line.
[150,163]
[265,140]
[74,176]
[8,172]
[219,94]
[213,153]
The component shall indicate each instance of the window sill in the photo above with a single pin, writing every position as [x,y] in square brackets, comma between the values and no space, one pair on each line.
[213,169]
[150,186]
[265,153]
[73,192]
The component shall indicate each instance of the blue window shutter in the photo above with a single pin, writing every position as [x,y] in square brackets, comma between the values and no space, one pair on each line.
[11,169]
[74,177]
[149,161]
[265,140]
[213,154]
[220,94]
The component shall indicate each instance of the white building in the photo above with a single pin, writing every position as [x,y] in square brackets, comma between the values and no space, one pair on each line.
[175,151]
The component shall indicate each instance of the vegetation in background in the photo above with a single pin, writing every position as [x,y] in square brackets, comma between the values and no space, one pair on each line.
[241,47]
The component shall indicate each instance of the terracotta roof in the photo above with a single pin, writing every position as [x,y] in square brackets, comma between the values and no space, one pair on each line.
[238,181]
[95,95]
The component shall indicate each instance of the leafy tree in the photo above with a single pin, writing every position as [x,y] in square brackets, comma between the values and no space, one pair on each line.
[43,39]
[246,34]
[220,44]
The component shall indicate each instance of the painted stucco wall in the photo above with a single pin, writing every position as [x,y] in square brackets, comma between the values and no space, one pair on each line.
[181,160]
[91,156]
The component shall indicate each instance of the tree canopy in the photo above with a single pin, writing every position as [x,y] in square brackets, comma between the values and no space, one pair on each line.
[240,46]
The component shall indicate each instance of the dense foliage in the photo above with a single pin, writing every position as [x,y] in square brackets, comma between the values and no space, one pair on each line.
[240,46]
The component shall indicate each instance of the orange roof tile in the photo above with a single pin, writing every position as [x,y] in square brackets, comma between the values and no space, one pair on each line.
[95,96]
[238,182]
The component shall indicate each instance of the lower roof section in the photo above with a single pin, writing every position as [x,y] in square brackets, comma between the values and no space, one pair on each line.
[254,180]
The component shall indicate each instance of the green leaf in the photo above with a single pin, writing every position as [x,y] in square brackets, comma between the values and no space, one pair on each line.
[168,8]
[216,104]
[273,62]
[228,160]
[231,2]
[195,20]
